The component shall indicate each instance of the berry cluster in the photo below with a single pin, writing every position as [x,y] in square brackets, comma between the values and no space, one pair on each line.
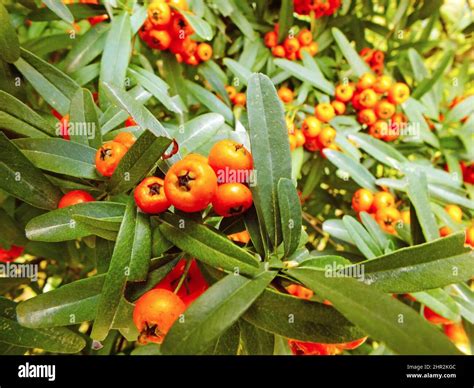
[381,206]
[374,58]
[375,100]
[293,46]
[167,29]
[193,183]
[318,8]
[237,98]
[318,134]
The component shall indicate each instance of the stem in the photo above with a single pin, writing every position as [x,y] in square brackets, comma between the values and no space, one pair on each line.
[183,276]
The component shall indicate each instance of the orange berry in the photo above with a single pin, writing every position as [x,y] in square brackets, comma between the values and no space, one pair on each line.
[366,81]
[362,200]
[367,116]
[313,48]
[384,109]
[159,40]
[398,93]
[311,126]
[383,199]
[445,231]
[454,212]
[324,112]
[300,138]
[231,92]
[434,317]
[387,218]
[285,94]
[271,39]
[470,236]
[344,92]
[368,98]
[204,51]
[240,99]
[278,51]
[305,37]
[382,84]
[339,107]
[326,137]
[291,45]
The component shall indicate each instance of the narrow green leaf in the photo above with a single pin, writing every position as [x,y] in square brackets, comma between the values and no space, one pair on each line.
[358,66]
[21,179]
[60,9]
[285,21]
[9,44]
[215,311]
[270,150]
[290,210]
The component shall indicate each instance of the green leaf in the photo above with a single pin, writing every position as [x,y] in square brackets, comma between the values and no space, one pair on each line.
[116,55]
[359,173]
[210,100]
[461,110]
[139,113]
[270,151]
[9,44]
[427,83]
[241,72]
[200,26]
[156,86]
[290,210]
[79,11]
[207,245]
[300,319]
[256,341]
[422,267]
[306,75]
[52,84]
[361,238]
[67,305]
[141,249]
[199,131]
[58,7]
[17,117]
[214,312]
[84,124]
[358,66]
[375,231]
[440,302]
[379,150]
[117,275]
[21,179]
[88,47]
[60,156]
[140,160]
[56,340]
[285,21]
[59,225]
[380,315]
[228,344]
[417,191]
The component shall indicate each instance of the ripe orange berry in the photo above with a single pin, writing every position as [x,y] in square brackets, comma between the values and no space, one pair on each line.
[470,236]
[154,314]
[362,200]
[300,138]
[456,333]
[232,199]
[125,138]
[384,109]
[367,116]
[291,45]
[377,57]
[180,28]
[204,51]
[227,156]
[366,81]
[339,107]
[240,99]
[159,40]
[454,212]
[271,39]
[312,348]
[305,37]
[74,197]
[311,126]
[387,218]
[312,144]
[398,93]
[313,48]
[383,199]
[130,122]
[159,13]
[231,92]
[292,141]
[190,185]
[344,92]
[150,195]
[278,51]
[300,291]
[108,157]
[434,317]
[324,112]
[326,137]
[368,98]
[192,60]
[445,231]
[382,84]
[285,94]
[379,129]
